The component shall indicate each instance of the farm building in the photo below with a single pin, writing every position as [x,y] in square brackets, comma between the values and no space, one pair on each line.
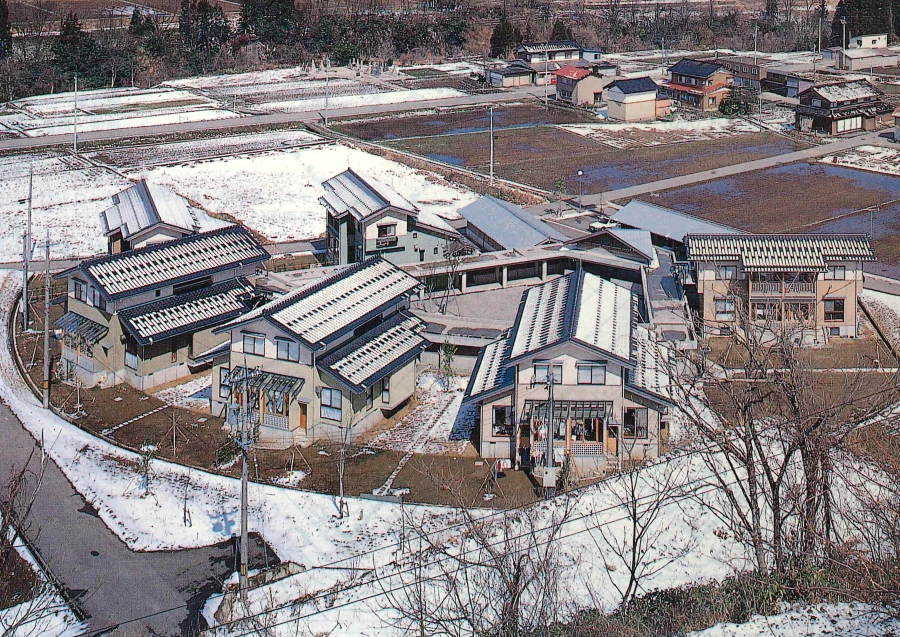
[145,317]
[333,355]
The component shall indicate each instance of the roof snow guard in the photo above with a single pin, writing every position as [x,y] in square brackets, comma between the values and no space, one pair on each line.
[173,262]
[581,307]
[187,313]
[348,193]
[339,303]
[378,353]
[780,252]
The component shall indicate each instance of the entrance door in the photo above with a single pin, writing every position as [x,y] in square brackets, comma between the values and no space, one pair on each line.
[612,439]
[303,407]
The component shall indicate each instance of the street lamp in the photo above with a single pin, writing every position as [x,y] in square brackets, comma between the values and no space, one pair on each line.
[580,188]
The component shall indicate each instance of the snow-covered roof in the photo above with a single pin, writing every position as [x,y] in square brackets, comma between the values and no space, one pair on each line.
[172,262]
[555,45]
[651,373]
[348,193]
[793,252]
[340,302]
[665,222]
[491,370]
[508,224]
[843,91]
[862,53]
[377,353]
[186,313]
[580,307]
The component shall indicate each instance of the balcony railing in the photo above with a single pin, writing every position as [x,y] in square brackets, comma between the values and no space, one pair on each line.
[386,242]
[782,287]
[575,448]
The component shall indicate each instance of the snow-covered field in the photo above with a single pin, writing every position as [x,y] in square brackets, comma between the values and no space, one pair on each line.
[277,193]
[371,99]
[436,425]
[68,195]
[623,135]
[820,620]
[193,394]
[47,615]
[874,158]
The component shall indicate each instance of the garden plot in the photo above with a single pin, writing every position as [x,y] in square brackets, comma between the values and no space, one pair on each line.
[436,425]
[121,100]
[874,158]
[277,193]
[193,394]
[635,135]
[128,158]
[68,195]
[372,99]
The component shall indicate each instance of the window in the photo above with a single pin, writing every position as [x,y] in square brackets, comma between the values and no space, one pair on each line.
[500,425]
[726,272]
[712,101]
[725,308]
[836,273]
[834,309]
[255,344]
[435,249]
[370,397]
[415,235]
[386,390]
[542,370]
[592,374]
[767,311]
[173,348]
[276,403]
[287,350]
[331,404]
[636,422]
[816,103]
[80,290]
[387,231]
[191,286]
[131,360]
[224,387]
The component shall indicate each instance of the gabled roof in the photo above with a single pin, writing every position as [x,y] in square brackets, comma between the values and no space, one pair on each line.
[491,371]
[187,313]
[793,252]
[554,45]
[580,307]
[145,205]
[572,72]
[650,375]
[516,67]
[862,53]
[695,68]
[339,303]
[635,85]
[508,224]
[173,262]
[348,193]
[378,353]
[665,222]
[843,91]
[637,239]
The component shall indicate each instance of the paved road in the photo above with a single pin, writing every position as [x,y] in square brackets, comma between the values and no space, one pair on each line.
[707,175]
[26,143]
[113,583]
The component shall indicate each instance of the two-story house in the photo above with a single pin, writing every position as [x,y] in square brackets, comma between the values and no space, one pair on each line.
[802,280]
[841,107]
[635,100]
[337,354]
[697,83]
[143,316]
[576,344]
[367,218]
[546,57]
[149,213]
[579,86]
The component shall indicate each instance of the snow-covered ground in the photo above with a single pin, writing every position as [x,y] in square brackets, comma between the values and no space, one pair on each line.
[886,310]
[874,158]
[820,620]
[370,99]
[277,193]
[46,615]
[68,195]
[193,394]
[436,425]
[622,135]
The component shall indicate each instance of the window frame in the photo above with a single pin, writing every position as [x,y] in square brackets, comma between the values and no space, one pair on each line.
[723,270]
[293,350]
[255,338]
[80,290]
[503,428]
[724,314]
[557,379]
[271,398]
[387,230]
[224,387]
[327,409]
[639,431]
[831,316]
[591,367]
[386,390]
[831,274]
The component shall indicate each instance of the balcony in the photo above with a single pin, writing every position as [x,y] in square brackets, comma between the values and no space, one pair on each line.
[783,288]
[385,242]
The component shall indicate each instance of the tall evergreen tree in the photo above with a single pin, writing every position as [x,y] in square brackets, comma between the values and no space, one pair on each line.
[505,38]
[561,31]
[203,26]
[5,30]
[273,20]
[75,51]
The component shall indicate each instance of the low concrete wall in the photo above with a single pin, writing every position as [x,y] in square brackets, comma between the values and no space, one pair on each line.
[880,283]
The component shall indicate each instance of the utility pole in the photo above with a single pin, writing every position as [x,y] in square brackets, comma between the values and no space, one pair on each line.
[27,248]
[47,322]
[844,36]
[75,120]
[326,92]
[820,33]
[492,144]
[245,476]
[755,40]
[549,472]
[580,189]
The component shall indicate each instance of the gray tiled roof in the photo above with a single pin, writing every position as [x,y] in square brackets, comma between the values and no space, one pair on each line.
[348,193]
[491,370]
[635,85]
[695,68]
[665,222]
[508,224]
[794,252]
[651,373]
[89,330]
[171,262]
